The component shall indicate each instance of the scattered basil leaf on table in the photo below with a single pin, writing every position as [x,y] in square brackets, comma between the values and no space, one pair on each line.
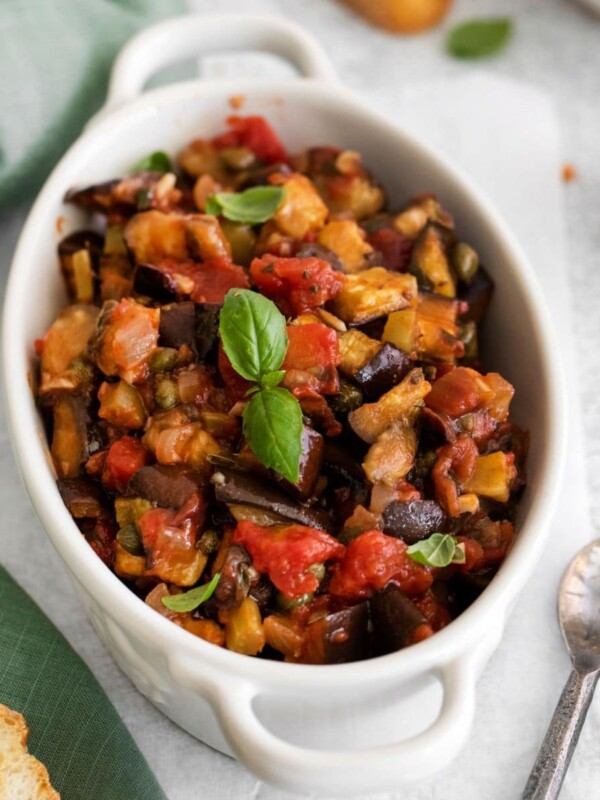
[273,428]
[188,601]
[155,162]
[253,333]
[436,551]
[253,206]
[478,38]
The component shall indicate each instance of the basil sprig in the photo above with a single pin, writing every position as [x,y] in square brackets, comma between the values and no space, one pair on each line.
[477,38]
[253,206]
[253,333]
[155,162]
[438,550]
[254,337]
[188,601]
[273,429]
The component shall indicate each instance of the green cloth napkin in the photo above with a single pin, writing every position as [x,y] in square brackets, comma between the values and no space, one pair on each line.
[56,58]
[74,729]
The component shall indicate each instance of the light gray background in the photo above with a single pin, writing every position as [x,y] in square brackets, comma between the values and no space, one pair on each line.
[557,47]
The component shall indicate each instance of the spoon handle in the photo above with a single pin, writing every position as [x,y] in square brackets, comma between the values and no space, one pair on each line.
[554,757]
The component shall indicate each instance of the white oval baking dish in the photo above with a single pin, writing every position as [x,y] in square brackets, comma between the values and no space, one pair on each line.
[347,729]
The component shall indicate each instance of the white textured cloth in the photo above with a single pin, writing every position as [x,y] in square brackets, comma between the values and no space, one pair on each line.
[507,137]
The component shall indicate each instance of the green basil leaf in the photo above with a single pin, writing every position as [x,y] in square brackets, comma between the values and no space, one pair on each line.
[272,378]
[253,333]
[129,538]
[188,601]
[436,551]
[273,430]
[460,556]
[212,206]
[477,38]
[253,206]
[155,162]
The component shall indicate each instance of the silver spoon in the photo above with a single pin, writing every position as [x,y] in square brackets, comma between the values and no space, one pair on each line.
[579,617]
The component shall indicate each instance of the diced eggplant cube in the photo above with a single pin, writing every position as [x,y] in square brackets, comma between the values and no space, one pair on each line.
[413,521]
[233,486]
[384,371]
[154,282]
[167,485]
[206,329]
[394,619]
[478,295]
[311,461]
[84,498]
[177,324]
[339,637]
[234,583]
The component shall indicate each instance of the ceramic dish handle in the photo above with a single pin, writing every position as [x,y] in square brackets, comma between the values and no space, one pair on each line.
[341,772]
[175,40]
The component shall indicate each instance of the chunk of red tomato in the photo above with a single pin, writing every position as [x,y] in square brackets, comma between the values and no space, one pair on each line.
[256,134]
[371,561]
[311,358]
[124,458]
[287,552]
[296,284]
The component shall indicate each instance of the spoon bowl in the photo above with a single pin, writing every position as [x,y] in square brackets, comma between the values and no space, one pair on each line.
[579,617]
[579,608]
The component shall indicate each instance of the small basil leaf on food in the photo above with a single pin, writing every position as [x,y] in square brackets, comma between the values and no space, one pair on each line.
[477,38]
[212,206]
[460,556]
[129,538]
[155,162]
[435,551]
[272,425]
[188,601]
[253,206]
[272,378]
[253,333]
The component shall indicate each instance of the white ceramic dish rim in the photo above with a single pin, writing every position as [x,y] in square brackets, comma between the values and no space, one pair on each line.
[455,650]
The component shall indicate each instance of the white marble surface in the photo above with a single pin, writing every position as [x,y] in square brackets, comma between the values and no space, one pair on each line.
[556,48]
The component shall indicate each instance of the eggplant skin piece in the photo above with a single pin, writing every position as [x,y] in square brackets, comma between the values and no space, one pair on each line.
[413,521]
[167,485]
[394,619]
[149,280]
[384,371]
[478,295]
[233,584]
[246,489]
[84,498]
[311,462]
[339,637]
[177,325]
[315,250]
[82,240]
[206,329]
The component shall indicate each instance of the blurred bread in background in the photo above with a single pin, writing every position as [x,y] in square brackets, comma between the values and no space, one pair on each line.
[22,777]
[401,16]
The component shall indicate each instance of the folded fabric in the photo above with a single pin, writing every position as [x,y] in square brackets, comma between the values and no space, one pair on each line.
[74,729]
[56,59]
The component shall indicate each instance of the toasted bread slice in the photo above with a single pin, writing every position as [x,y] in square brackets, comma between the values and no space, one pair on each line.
[22,777]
